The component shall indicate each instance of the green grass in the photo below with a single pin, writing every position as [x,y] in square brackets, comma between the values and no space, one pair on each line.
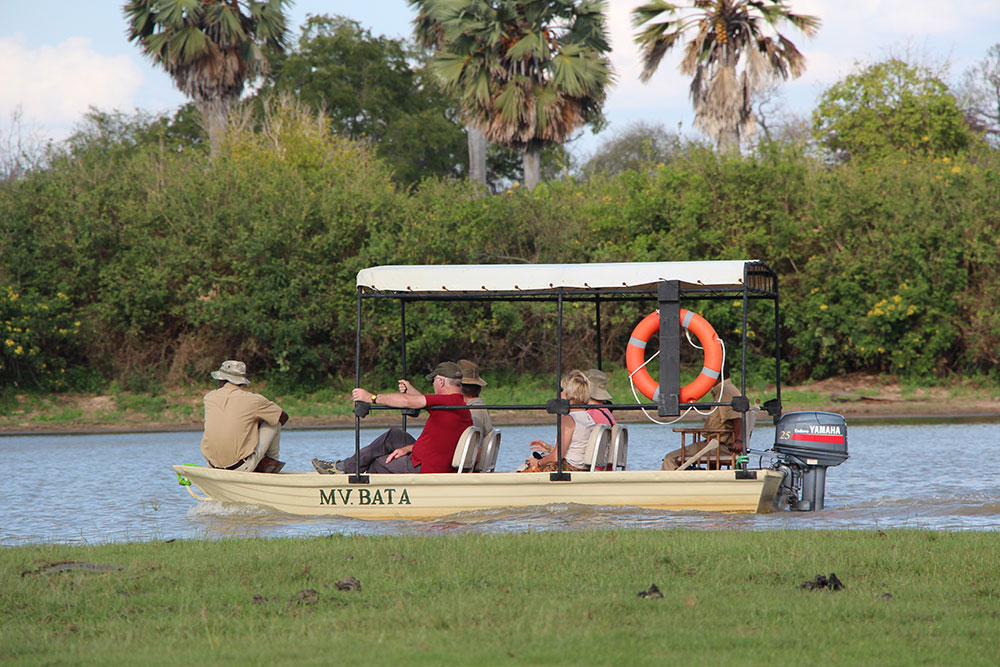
[61,416]
[911,597]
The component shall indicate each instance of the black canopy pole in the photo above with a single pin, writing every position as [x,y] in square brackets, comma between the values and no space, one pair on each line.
[560,475]
[743,367]
[357,477]
[777,350]
[402,345]
[597,318]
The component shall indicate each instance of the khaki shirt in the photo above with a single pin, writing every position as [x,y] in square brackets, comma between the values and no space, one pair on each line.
[481,418]
[232,415]
[723,414]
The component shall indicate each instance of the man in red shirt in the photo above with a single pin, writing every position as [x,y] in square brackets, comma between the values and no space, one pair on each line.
[395,451]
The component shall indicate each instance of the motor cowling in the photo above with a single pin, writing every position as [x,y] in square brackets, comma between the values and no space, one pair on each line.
[808,443]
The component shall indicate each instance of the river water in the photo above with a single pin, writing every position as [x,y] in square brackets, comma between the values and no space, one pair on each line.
[100,488]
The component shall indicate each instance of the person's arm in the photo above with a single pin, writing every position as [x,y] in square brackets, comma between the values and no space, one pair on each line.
[396,400]
[396,453]
[737,426]
[567,425]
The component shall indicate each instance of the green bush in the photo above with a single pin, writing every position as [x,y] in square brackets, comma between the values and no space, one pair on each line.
[172,260]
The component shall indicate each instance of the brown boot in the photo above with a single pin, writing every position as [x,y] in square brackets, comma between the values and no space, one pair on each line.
[267,464]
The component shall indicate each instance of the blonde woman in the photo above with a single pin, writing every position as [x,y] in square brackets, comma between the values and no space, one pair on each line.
[575,427]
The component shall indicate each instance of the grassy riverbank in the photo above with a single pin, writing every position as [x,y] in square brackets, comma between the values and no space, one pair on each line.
[909,597]
[856,396]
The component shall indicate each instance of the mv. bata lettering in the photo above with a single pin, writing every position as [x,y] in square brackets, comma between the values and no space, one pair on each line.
[363,497]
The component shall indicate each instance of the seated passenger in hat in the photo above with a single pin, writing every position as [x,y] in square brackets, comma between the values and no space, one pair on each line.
[396,451]
[599,396]
[724,419]
[472,386]
[242,428]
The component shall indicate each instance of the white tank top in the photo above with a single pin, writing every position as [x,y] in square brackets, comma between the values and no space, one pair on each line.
[581,434]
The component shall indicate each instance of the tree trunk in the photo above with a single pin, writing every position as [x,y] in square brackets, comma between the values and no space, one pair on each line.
[729,141]
[532,160]
[214,115]
[477,155]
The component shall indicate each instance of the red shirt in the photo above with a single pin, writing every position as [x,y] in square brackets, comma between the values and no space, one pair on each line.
[435,448]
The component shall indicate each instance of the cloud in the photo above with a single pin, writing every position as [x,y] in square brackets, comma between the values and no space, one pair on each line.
[666,94]
[54,85]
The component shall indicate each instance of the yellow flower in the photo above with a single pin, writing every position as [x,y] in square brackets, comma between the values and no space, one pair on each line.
[10,343]
[823,306]
[956,170]
[18,350]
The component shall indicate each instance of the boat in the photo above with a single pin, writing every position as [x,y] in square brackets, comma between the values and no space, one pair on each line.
[805,443]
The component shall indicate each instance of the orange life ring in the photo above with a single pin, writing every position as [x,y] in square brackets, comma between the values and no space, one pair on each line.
[635,355]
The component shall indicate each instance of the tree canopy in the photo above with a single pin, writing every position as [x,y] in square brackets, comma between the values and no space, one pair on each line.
[890,106]
[730,56]
[528,72]
[210,49]
[377,89]
[980,95]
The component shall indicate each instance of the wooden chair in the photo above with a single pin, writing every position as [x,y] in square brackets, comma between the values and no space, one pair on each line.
[708,444]
[467,450]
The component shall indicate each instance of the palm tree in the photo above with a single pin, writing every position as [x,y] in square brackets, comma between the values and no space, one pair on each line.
[209,47]
[726,33]
[527,72]
[430,35]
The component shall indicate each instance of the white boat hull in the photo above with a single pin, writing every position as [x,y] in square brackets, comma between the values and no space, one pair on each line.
[436,495]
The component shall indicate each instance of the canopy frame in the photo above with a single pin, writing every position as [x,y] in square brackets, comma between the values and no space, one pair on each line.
[758,281]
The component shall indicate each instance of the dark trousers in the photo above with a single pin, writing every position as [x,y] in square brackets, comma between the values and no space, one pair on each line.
[372,458]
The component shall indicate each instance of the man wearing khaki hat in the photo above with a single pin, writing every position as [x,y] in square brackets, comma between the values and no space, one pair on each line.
[395,451]
[472,385]
[242,428]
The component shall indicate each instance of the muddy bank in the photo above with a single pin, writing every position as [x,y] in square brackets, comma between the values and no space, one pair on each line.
[858,398]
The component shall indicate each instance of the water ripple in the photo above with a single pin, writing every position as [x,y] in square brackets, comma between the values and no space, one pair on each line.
[95,489]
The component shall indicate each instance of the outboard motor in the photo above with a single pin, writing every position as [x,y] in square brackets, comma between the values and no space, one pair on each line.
[807,444]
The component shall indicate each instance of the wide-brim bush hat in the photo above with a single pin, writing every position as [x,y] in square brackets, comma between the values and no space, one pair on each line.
[598,385]
[232,371]
[448,369]
[470,373]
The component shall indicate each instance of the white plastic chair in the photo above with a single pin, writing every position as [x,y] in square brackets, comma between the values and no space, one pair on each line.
[467,450]
[487,460]
[598,447]
[619,447]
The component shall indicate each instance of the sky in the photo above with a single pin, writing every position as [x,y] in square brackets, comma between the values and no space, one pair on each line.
[60,57]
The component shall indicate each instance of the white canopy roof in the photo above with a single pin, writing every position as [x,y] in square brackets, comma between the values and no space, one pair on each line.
[541,277]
